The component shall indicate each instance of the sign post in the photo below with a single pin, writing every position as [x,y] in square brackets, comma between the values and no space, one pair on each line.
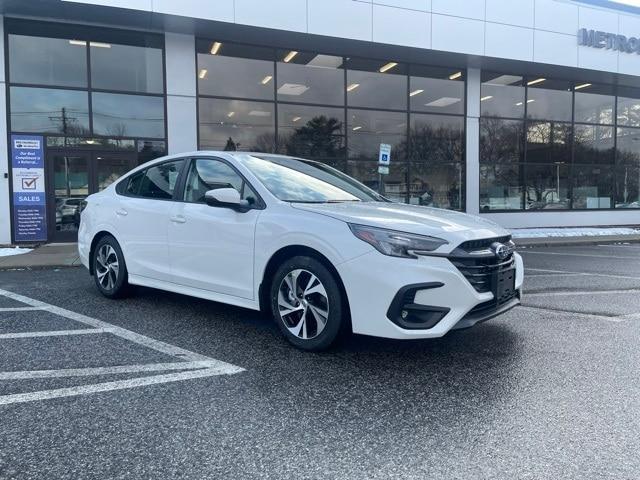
[29,196]
[384,160]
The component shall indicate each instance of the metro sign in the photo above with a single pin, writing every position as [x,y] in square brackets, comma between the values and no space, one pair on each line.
[608,41]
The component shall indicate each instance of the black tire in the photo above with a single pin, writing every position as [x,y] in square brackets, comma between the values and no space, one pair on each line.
[313,304]
[113,284]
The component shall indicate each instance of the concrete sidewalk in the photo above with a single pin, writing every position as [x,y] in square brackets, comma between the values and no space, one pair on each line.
[51,255]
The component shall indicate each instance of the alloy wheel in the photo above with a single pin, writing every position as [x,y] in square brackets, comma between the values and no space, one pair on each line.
[107,267]
[303,304]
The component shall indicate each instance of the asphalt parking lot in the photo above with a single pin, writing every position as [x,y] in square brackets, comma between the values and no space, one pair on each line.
[165,386]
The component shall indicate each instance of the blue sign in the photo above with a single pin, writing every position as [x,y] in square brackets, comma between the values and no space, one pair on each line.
[29,193]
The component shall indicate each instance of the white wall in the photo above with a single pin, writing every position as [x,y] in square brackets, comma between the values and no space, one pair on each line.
[543,31]
[182,122]
[5,215]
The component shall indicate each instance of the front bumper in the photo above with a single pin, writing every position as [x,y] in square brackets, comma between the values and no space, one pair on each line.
[372,282]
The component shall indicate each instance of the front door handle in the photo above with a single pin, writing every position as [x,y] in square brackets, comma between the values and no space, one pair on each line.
[178,219]
[122,212]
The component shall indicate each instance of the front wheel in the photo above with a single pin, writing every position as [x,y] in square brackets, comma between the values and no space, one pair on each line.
[109,268]
[307,304]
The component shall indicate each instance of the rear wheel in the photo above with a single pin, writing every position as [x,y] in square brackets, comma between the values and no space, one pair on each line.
[109,268]
[307,304]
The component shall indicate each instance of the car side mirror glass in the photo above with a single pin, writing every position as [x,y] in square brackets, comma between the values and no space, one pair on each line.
[226,198]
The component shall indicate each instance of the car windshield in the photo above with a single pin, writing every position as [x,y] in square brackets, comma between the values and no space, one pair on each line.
[305,181]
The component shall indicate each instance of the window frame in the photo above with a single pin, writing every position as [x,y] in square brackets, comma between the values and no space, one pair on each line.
[122,184]
[182,181]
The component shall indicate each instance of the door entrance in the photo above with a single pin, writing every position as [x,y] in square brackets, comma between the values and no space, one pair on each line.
[72,176]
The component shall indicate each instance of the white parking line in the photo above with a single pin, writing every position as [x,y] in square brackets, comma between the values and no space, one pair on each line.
[569,293]
[581,273]
[197,365]
[576,255]
[20,309]
[590,316]
[116,385]
[54,333]
[86,372]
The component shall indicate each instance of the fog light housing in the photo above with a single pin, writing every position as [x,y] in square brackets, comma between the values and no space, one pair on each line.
[409,315]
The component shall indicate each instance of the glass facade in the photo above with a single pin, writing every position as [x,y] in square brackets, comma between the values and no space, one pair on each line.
[338,111]
[556,145]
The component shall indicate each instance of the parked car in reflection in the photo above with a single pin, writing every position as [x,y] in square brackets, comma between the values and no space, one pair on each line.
[628,205]
[68,208]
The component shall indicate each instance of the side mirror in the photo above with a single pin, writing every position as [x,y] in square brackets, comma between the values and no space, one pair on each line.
[226,198]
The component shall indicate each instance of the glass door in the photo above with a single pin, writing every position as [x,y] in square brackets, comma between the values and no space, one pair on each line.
[71,184]
[74,176]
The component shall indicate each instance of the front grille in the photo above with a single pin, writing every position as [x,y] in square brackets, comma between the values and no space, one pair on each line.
[481,271]
[483,243]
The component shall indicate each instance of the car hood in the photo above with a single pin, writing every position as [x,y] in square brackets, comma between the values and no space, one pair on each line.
[452,226]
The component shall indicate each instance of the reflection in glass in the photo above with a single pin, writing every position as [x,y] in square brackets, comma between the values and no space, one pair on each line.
[549,99]
[547,187]
[628,168]
[376,84]
[127,68]
[629,111]
[594,104]
[236,125]
[437,90]
[367,129]
[109,169]
[47,61]
[311,132]
[593,144]
[235,70]
[118,115]
[548,142]
[437,148]
[71,186]
[150,150]
[159,182]
[592,186]
[311,78]
[393,186]
[502,95]
[43,110]
[501,154]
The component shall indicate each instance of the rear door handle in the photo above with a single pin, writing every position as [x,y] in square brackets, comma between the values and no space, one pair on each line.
[122,212]
[178,219]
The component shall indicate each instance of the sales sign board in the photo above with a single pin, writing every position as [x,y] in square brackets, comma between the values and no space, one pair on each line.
[29,193]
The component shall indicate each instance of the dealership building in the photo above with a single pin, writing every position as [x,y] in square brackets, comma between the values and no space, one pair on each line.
[526,112]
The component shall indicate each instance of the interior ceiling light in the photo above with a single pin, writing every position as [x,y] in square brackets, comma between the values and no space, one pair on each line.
[416,92]
[202,74]
[388,66]
[503,80]
[290,56]
[266,79]
[352,87]
[231,114]
[295,119]
[215,48]
[442,102]
[584,85]
[80,43]
[519,104]
[455,75]
[530,101]
[325,61]
[292,89]
[100,45]
[356,128]
[536,81]
[488,97]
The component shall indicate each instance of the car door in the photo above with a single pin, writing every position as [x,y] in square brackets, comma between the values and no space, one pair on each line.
[142,219]
[212,248]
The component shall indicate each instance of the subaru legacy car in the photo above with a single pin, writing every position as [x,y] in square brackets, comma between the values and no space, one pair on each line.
[320,252]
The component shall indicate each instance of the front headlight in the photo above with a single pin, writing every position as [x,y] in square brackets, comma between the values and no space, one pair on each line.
[396,244]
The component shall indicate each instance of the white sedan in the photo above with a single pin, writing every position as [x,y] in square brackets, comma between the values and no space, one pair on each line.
[319,251]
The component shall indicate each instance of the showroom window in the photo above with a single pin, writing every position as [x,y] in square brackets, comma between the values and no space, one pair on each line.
[80,82]
[556,145]
[338,111]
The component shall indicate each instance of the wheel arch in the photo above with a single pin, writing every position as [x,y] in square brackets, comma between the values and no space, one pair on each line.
[286,253]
